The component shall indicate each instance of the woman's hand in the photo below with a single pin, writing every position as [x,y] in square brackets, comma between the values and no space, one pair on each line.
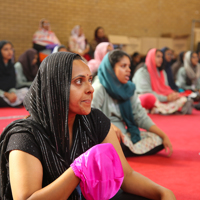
[173,96]
[170,97]
[168,146]
[118,132]
[166,142]
[168,194]
[134,182]
[12,97]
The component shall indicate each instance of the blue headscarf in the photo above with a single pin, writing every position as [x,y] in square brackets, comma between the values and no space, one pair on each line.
[120,92]
[167,67]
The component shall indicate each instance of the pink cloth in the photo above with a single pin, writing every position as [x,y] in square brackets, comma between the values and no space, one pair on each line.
[147,100]
[100,171]
[100,52]
[157,82]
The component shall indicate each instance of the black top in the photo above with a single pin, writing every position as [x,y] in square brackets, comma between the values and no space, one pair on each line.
[47,101]
[7,72]
[24,142]
[27,143]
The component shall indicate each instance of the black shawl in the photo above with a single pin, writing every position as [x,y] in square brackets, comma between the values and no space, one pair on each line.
[168,70]
[26,60]
[48,103]
[7,73]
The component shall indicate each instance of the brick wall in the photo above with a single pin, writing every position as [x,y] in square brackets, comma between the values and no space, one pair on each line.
[19,19]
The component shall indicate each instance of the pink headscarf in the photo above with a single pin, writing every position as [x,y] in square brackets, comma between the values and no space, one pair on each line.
[157,82]
[100,172]
[100,52]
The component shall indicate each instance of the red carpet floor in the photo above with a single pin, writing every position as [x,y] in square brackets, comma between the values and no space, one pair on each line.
[180,172]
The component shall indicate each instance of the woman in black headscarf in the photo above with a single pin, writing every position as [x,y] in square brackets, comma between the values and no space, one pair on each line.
[38,151]
[167,62]
[178,64]
[26,68]
[9,96]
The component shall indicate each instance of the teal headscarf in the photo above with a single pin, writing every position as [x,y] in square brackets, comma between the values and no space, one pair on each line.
[120,92]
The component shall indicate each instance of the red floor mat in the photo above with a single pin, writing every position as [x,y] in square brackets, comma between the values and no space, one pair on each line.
[7,115]
[180,172]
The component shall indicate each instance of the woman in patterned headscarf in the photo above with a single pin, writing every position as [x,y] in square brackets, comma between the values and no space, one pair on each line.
[44,37]
[36,153]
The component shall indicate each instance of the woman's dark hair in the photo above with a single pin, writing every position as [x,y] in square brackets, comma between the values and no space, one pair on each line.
[135,54]
[96,32]
[192,52]
[158,50]
[116,55]
[78,57]
[181,56]
[2,44]
[163,65]
[61,46]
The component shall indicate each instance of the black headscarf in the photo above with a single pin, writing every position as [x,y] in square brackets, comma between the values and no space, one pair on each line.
[48,103]
[178,64]
[7,72]
[168,70]
[26,60]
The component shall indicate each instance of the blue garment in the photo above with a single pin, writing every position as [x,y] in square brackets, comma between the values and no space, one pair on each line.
[120,92]
[167,67]
[78,189]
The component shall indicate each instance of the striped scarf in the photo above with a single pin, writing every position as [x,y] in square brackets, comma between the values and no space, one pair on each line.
[48,103]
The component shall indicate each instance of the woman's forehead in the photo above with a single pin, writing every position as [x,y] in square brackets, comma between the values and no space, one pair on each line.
[80,68]
[124,59]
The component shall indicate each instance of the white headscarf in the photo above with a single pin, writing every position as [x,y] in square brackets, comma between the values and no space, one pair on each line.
[80,40]
[192,72]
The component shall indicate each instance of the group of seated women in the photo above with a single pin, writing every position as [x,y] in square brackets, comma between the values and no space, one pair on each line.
[45,40]
[15,79]
[67,150]
[74,117]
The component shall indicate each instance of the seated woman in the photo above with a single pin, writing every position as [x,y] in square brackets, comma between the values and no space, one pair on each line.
[44,38]
[178,64]
[59,48]
[188,77]
[151,78]
[78,43]
[101,50]
[26,68]
[115,96]
[167,63]
[9,96]
[36,153]
[99,36]
[136,59]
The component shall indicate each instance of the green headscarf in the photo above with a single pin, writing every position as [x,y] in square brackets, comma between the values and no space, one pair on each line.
[120,92]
